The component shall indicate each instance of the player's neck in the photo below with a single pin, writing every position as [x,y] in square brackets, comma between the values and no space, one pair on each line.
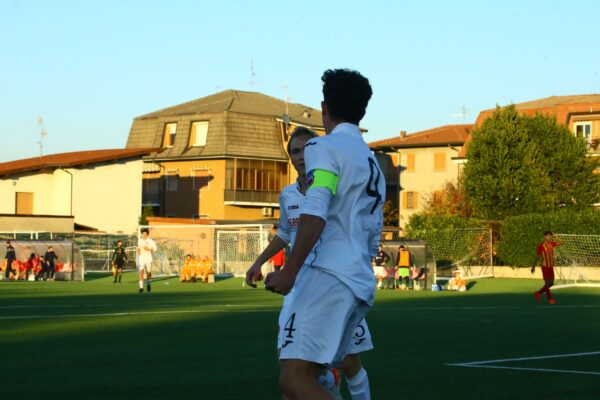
[301,184]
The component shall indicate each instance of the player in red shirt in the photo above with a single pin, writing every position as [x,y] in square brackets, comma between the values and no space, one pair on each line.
[545,252]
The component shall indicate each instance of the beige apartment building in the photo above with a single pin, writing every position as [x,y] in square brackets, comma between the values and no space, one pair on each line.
[424,164]
[221,157]
[95,190]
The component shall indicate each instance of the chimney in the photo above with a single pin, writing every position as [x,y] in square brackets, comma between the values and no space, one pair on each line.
[402,134]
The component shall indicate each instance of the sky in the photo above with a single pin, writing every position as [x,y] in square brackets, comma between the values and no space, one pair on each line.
[82,70]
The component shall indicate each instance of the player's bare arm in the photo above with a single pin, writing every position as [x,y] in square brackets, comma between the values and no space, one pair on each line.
[309,232]
[253,274]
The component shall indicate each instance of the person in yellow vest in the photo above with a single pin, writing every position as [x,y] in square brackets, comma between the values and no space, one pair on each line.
[207,270]
[185,274]
[403,264]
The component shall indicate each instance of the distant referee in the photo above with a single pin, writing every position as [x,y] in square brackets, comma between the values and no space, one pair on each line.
[119,259]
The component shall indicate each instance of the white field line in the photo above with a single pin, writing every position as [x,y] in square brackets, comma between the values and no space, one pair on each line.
[217,308]
[485,363]
[122,314]
[562,371]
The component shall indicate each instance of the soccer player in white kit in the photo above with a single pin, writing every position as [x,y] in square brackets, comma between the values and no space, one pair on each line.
[290,205]
[340,224]
[145,248]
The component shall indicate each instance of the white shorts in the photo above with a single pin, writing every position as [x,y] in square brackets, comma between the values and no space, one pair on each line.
[359,342]
[323,321]
[145,265]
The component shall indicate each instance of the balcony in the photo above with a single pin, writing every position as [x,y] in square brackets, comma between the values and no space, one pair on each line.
[261,198]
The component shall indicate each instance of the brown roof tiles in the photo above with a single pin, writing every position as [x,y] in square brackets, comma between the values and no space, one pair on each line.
[441,136]
[73,159]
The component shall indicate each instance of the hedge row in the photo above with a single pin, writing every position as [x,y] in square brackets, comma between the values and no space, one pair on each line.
[520,235]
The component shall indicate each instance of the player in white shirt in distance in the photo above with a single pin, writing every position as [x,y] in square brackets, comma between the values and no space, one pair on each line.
[290,205]
[338,234]
[145,248]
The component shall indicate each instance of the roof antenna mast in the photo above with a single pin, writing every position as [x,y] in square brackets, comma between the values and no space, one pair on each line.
[43,133]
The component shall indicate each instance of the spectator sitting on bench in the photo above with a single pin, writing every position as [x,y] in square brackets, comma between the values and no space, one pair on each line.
[186,269]
[206,269]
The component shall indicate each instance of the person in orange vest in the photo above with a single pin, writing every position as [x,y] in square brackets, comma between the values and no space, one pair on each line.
[206,269]
[403,264]
[184,275]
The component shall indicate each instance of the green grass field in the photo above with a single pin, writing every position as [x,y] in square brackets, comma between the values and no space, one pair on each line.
[96,340]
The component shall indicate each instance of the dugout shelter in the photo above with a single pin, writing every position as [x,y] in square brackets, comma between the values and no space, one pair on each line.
[422,254]
[70,265]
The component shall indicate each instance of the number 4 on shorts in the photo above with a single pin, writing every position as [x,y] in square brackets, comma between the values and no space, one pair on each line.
[289,328]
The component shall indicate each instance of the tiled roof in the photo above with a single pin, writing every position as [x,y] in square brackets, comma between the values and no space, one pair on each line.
[239,101]
[241,124]
[73,159]
[440,136]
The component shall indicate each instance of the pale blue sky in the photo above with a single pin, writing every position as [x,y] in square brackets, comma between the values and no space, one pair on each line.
[89,67]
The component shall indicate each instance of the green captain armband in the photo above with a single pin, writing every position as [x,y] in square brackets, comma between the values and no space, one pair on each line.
[322,178]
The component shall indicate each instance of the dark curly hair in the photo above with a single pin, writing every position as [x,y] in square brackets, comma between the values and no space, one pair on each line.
[346,94]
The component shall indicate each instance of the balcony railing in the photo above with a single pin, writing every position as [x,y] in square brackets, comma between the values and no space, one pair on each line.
[262,197]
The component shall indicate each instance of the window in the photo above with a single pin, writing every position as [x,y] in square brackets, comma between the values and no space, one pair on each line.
[200,179]
[410,200]
[410,162]
[171,182]
[151,191]
[584,130]
[260,175]
[198,133]
[169,134]
[439,162]
[24,203]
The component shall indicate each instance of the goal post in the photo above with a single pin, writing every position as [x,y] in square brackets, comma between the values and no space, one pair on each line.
[231,248]
[577,261]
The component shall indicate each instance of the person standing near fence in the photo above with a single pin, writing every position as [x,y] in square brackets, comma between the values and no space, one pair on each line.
[404,263]
[119,259]
[10,257]
[545,252]
[145,248]
[50,258]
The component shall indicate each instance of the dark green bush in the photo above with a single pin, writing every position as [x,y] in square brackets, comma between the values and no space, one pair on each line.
[520,235]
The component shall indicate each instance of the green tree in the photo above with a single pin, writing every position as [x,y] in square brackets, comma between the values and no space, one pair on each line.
[390,214]
[147,211]
[521,164]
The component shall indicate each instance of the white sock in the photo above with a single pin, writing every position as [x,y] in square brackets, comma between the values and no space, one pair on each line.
[358,386]
[141,284]
[327,379]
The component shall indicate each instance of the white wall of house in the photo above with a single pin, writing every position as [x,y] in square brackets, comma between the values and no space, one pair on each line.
[424,178]
[106,196]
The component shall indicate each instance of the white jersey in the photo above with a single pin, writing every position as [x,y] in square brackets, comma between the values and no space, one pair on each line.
[290,205]
[146,255]
[354,219]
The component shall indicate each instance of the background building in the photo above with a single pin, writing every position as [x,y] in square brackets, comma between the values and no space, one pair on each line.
[222,156]
[99,190]
[424,164]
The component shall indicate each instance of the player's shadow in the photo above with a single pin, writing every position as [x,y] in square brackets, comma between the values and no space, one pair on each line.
[471,284]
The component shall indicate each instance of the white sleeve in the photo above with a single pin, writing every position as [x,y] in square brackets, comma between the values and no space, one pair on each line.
[317,202]
[284,225]
[318,156]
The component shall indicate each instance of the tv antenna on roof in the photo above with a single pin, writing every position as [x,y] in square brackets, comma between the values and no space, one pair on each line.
[461,114]
[43,133]
[252,72]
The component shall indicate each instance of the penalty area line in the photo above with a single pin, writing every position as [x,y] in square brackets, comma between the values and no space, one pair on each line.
[486,363]
[562,371]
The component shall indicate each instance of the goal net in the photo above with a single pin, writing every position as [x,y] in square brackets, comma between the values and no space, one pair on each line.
[470,250]
[231,248]
[69,266]
[578,261]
